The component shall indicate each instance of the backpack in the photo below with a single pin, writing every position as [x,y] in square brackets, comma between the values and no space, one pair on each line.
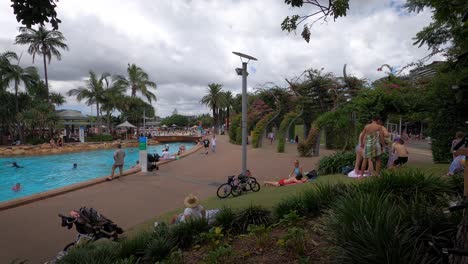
[312,174]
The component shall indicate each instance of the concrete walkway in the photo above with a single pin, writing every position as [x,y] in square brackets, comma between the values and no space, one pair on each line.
[33,231]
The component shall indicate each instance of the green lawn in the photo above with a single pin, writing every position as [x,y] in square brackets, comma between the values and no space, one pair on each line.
[270,196]
[267,197]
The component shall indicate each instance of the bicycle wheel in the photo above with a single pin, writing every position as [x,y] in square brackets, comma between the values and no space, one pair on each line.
[224,190]
[254,186]
[236,190]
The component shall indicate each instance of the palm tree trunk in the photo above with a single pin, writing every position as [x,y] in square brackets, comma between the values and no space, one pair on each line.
[214,116]
[227,119]
[46,78]
[98,119]
[20,131]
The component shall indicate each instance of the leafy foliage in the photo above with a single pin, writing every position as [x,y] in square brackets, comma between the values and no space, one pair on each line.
[99,138]
[333,163]
[234,129]
[32,12]
[295,240]
[185,234]
[285,123]
[225,218]
[176,119]
[260,128]
[137,81]
[306,147]
[252,215]
[222,254]
[99,252]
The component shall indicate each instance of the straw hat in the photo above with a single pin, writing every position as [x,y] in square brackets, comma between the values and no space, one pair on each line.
[191,201]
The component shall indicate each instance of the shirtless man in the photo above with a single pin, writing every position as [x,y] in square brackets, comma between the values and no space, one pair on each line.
[371,140]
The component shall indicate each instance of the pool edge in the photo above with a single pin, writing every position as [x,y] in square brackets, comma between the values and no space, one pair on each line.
[78,186]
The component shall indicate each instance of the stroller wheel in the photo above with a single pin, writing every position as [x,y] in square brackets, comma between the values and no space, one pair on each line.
[67,247]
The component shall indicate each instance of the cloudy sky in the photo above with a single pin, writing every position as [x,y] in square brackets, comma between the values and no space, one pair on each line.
[186,44]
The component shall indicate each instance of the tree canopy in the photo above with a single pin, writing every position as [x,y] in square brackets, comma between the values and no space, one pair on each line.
[32,12]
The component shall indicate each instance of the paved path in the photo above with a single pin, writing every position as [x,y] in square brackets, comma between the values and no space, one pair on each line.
[33,231]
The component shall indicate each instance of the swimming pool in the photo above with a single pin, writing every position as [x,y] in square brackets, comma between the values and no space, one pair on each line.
[44,173]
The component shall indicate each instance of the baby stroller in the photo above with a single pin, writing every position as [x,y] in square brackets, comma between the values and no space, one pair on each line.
[90,224]
[152,160]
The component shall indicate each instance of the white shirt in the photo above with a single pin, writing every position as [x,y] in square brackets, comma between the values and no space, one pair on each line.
[195,212]
[213,142]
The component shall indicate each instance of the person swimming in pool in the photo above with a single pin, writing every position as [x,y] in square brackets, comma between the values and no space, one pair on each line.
[16,187]
[75,166]
[14,164]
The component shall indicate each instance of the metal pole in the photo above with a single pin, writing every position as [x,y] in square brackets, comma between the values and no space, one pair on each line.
[244,118]
[144,122]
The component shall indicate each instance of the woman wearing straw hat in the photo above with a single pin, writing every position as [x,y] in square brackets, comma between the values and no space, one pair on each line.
[192,210]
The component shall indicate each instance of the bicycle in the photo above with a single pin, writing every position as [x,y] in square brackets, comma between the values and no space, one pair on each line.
[236,186]
[453,255]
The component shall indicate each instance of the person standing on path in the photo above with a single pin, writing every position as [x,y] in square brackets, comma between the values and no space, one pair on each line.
[206,144]
[213,143]
[119,156]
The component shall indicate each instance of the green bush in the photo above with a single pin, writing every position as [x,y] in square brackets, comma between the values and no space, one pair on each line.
[260,128]
[134,246]
[222,254]
[407,183]
[332,164]
[252,215]
[370,228]
[285,123]
[294,240]
[186,233]
[294,203]
[36,140]
[100,252]
[456,184]
[234,128]
[99,138]
[225,218]
[158,249]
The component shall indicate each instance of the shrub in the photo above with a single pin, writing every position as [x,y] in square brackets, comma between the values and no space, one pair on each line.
[252,215]
[101,252]
[320,198]
[407,183]
[455,183]
[158,249]
[369,228]
[36,140]
[332,164]
[294,240]
[134,246]
[222,254]
[212,238]
[225,218]
[233,128]
[285,124]
[99,138]
[290,219]
[130,260]
[290,204]
[261,234]
[185,234]
[260,128]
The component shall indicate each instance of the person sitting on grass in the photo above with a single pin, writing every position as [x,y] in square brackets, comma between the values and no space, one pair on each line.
[295,176]
[193,210]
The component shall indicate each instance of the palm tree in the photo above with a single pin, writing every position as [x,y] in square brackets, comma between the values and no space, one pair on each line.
[5,64]
[137,81]
[113,96]
[42,42]
[15,74]
[93,93]
[228,104]
[214,99]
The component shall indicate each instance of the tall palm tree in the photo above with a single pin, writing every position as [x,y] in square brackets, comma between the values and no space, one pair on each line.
[93,93]
[214,99]
[5,64]
[113,96]
[42,42]
[13,73]
[137,81]
[228,104]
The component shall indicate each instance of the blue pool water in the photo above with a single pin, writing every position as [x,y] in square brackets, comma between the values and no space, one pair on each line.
[43,173]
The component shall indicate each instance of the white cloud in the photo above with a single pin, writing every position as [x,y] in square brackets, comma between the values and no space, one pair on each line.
[185,45]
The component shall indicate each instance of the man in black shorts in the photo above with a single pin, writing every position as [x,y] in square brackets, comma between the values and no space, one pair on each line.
[206,144]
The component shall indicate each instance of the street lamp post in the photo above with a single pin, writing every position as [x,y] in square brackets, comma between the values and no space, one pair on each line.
[243,71]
